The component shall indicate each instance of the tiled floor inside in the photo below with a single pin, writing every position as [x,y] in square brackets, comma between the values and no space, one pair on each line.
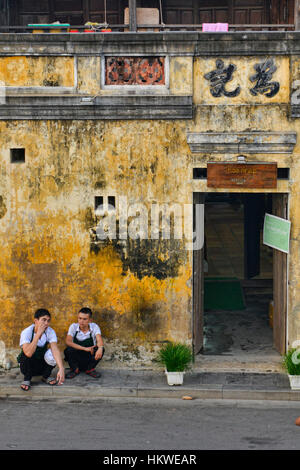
[245,332]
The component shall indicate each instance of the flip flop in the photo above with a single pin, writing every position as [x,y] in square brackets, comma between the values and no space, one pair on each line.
[49,380]
[25,383]
[72,373]
[93,373]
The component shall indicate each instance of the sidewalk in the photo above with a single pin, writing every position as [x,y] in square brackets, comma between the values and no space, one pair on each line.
[148,383]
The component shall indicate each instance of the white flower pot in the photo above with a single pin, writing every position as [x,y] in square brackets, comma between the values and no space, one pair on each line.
[174,378]
[294,382]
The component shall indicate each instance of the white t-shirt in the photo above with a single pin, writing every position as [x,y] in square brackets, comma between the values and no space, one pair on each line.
[81,336]
[49,336]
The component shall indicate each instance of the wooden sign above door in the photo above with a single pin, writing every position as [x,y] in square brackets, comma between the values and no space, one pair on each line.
[241,175]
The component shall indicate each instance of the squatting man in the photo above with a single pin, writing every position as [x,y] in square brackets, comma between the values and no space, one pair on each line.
[40,354]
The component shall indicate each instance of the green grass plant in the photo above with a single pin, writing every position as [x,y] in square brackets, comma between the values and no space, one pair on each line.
[291,362]
[176,357]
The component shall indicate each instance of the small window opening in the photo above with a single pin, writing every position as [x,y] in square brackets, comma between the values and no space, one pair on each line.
[199,173]
[112,201]
[283,173]
[98,201]
[17,155]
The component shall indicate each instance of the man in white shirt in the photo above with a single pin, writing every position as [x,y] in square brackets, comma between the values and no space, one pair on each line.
[84,346]
[35,357]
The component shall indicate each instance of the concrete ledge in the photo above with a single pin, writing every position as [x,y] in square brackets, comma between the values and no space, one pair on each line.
[102,107]
[218,392]
[180,42]
[213,392]
[242,142]
[35,391]
[153,384]
[242,394]
[95,392]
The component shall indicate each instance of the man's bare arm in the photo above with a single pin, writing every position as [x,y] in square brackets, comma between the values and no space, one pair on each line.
[100,345]
[69,342]
[29,348]
[59,362]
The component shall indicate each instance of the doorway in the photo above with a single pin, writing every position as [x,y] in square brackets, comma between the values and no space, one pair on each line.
[240,284]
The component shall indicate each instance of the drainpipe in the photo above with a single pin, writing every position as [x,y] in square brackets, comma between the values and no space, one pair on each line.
[132,15]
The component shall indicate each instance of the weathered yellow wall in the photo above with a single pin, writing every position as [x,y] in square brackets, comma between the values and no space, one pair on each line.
[47,213]
[255,113]
[89,75]
[27,71]
[49,258]
[181,75]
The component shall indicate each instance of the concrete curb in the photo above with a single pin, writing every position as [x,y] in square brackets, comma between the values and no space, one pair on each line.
[153,384]
[220,392]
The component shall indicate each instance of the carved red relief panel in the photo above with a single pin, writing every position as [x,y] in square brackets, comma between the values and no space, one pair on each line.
[135,71]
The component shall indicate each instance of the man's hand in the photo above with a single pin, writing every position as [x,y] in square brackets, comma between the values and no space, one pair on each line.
[41,328]
[98,353]
[90,349]
[60,376]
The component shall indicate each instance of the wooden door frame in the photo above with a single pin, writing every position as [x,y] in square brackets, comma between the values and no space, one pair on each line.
[198,285]
[281,320]
[280,207]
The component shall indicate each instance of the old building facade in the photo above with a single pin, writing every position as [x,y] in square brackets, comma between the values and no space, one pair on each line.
[128,121]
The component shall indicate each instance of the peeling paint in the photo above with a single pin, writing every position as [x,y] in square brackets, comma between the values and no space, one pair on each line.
[29,71]
[140,290]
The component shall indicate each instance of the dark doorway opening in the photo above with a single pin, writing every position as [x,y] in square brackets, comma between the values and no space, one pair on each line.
[239,283]
[238,275]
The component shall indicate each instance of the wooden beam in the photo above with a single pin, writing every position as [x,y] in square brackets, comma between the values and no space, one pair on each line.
[132,15]
[4,13]
[13,13]
[86,11]
[297,15]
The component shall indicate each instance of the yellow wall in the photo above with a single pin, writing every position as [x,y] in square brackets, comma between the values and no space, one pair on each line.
[29,71]
[48,212]
[47,204]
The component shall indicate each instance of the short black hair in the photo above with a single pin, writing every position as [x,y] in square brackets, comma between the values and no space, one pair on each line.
[41,312]
[86,311]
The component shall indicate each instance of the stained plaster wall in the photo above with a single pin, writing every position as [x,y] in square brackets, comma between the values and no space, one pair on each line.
[49,257]
[141,293]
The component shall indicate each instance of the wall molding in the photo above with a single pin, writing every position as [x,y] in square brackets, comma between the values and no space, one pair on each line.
[117,107]
[242,142]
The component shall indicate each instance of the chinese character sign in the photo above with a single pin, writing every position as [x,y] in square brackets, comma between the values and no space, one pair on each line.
[219,78]
[264,73]
[262,79]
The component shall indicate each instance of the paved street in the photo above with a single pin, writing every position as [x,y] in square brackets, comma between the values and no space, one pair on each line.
[127,423]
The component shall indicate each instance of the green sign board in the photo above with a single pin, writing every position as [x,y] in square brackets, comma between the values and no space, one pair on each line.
[276,233]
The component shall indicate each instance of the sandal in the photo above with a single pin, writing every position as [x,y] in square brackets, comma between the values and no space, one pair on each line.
[49,380]
[93,373]
[25,385]
[72,373]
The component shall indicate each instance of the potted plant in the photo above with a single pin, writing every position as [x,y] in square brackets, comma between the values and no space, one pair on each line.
[291,363]
[176,358]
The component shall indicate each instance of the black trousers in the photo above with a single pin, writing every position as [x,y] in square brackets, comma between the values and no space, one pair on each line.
[31,366]
[83,360]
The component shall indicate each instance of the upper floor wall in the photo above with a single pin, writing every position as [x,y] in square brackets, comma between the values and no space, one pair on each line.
[171,12]
[149,76]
